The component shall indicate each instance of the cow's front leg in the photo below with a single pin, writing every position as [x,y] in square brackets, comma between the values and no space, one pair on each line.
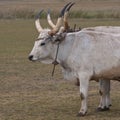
[84,83]
[105,101]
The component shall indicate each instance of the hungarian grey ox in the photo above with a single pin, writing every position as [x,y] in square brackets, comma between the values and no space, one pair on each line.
[84,55]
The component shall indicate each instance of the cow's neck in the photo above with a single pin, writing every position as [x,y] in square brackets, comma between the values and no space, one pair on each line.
[64,51]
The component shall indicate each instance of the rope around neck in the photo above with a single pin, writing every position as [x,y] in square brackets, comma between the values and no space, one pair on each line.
[55,61]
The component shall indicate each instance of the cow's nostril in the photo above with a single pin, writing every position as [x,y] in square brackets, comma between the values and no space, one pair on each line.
[30,57]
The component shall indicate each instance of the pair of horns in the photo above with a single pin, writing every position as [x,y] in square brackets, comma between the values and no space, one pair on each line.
[68,6]
[55,28]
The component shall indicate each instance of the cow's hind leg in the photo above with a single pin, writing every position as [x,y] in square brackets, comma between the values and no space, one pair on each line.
[104,91]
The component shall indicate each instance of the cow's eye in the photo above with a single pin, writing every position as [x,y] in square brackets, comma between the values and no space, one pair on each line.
[42,44]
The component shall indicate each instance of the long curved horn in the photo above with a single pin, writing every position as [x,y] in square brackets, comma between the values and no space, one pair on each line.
[49,20]
[37,22]
[66,26]
[59,21]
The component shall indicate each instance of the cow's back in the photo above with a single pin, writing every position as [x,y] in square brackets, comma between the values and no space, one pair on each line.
[106,29]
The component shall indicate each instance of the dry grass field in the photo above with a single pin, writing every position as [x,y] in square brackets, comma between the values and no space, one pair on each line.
[82,8]
[57,4]
[27,90]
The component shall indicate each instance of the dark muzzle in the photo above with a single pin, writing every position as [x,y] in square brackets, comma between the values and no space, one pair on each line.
[30,57]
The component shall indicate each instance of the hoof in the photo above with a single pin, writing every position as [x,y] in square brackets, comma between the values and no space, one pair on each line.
[99,109]
[81,114]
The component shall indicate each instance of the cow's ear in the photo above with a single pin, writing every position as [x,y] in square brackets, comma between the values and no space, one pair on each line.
[58,38]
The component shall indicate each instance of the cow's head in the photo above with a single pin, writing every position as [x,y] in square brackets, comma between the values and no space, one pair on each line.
[43,49]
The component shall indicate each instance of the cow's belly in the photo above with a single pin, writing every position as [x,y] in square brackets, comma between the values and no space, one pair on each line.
[112,74]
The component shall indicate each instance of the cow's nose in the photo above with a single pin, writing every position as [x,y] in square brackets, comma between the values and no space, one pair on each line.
[30,57]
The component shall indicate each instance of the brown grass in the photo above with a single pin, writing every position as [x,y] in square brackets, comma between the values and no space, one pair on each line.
[27,90]
[88,8]
[57,4]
